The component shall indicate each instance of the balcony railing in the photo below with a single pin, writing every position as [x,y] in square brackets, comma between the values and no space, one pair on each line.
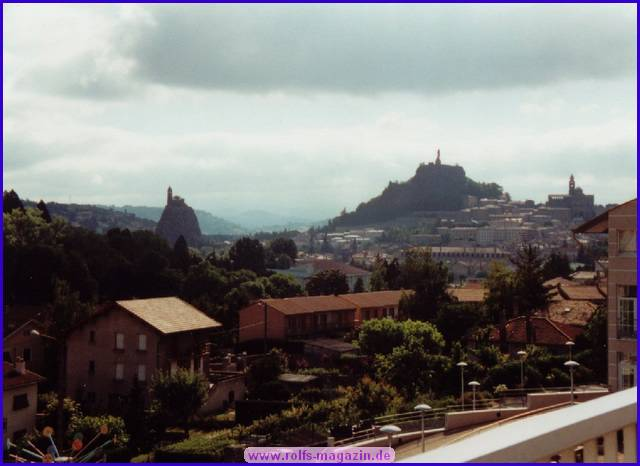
[585,432]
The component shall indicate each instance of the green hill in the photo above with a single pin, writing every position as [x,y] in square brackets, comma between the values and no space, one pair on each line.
[434,187]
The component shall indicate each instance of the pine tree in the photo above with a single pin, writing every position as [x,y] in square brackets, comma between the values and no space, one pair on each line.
[42,207]
[11,201]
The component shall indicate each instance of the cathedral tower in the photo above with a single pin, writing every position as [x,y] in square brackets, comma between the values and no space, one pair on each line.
[169,195]
[572,185]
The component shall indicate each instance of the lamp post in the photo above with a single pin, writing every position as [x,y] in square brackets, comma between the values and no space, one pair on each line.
[570,344]
[422,408]
[390,429]
[62,362]
[473,384]
[571,365]
[462,365]
[522,354]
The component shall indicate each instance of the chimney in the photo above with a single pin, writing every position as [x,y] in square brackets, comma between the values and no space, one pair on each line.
[21,367]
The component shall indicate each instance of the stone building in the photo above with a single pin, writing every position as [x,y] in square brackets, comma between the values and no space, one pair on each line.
[580,205]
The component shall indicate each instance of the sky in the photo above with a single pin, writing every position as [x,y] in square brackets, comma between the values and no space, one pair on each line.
[305,109]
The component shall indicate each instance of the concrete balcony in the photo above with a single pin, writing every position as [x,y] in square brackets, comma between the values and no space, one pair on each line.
[585,432]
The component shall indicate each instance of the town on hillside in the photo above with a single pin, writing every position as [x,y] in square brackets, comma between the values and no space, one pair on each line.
[319,233]
[309,338]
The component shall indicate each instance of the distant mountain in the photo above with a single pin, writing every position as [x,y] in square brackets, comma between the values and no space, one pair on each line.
[262,220]
[96,218]
[209,224]
[434,187]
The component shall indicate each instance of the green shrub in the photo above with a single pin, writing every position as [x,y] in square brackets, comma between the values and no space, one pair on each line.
[209,447]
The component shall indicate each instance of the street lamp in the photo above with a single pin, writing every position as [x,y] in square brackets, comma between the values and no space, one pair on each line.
[62,357]
[422,408]
[390,429]
[571,365]
[473,384]
[462,365]
[522,354]
[570,344]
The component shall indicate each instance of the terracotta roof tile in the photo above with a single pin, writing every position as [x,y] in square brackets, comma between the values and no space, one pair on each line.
[310,304]
[13,379]
[387,298]
[468,295]
[570,312]
[546,332]
[586,293]
[169,315]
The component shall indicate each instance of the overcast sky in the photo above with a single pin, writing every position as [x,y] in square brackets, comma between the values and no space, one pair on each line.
[308,109]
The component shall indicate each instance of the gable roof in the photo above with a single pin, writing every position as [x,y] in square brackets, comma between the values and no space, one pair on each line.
[546,332]
[600,223]
[468,295]
[309,304]
[12,378]
[31,322]
[168,315]
[570,312]
[577,293]
[554,282]
[387,298]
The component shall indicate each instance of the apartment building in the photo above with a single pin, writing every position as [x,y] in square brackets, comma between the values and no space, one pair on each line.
[620,225]
[129,340]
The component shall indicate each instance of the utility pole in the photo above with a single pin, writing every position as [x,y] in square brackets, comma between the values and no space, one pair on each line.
[264,340]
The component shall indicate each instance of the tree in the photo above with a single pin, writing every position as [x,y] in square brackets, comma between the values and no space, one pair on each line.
[593,344]
[428,279]
[179,396]
[11,201]
[42,207]
[500,300]
[531,294]
[285,246]
[556,265]
[181,259]
[247,253]
[458,320]
[371,399]
[263,373]
[280,285]
[380,336]
[358,286]
[327,282]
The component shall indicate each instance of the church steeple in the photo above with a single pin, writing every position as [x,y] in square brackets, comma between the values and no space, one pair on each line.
[438,162]
[572,185]
[169,195]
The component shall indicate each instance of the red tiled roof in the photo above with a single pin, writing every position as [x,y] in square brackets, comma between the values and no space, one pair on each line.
[571,312]
[389,298]
[310,304]
[468,295]
[168,315]
[545,331]
[554,282]
[13,379]
[581,293]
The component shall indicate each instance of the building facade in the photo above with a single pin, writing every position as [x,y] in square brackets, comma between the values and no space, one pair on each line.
[126,342]
[19,400]
[620,225]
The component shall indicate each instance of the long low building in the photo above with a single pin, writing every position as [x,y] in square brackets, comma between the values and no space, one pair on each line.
[306,316]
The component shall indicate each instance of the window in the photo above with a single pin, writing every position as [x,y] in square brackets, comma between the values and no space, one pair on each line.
[26,354]
[627,312]
[20,402]
[142,342]
[92,367]
[119,341]
[142,373]
[119,371]
[627,242]
[626,371]
[92,337]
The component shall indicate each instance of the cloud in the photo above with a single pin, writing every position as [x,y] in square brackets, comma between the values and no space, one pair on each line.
[382,48]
